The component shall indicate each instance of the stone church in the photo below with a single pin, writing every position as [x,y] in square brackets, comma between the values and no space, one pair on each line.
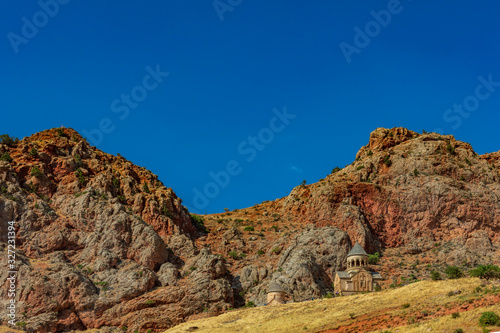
[358,277]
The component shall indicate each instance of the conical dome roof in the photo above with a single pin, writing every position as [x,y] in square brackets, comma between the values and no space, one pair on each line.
[274,287]
[357,250]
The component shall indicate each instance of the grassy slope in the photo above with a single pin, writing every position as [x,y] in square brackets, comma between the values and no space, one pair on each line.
[429,311]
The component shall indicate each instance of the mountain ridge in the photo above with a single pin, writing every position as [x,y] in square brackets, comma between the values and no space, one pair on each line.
[103,243]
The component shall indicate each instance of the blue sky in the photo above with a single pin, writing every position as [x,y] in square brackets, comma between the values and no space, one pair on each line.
[233,66]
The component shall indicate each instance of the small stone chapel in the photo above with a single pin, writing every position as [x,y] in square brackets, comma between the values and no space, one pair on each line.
[358,277]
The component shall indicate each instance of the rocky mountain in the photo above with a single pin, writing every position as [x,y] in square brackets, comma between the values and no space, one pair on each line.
[103,243]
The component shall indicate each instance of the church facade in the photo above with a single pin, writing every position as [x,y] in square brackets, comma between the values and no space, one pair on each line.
[358,277]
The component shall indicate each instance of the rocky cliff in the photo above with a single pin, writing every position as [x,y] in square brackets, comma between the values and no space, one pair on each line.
[103,243]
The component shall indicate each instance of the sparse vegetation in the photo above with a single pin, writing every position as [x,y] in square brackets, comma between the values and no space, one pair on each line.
[145,188]
[453,272]
[387,160]
[234,255]
[60,132]
[199,223]
[167,213]
[435,276]
[336,169]
[486,272]
[35,171]
[8,140]
[373,259]
[249,228]
[6,157]
[33,152]
[450,148]
[260,252]
[489,318]
[360,167]
[250,304]
[455,315]
[80,176]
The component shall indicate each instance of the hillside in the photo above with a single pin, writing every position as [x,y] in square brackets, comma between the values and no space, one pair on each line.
[425,306]
[103,243]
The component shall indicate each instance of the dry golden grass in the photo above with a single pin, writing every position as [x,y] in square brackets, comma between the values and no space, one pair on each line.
[320,315]
[7,329]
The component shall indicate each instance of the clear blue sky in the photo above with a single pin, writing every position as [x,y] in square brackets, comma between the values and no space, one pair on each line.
[227,75]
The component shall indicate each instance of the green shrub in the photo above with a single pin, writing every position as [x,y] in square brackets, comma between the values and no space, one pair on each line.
[260,252]
[435,276]
[250,304]
[233,254]
[369,153]
[80,176]
[387,160]
[115,181]
[276,250]
[60,132]
[458,330]
[360,167]
[6,157]
[328,295]
[199,223]
[35,171]
[8,140]
[455,315]
[406,306]
[150,302]
[33,152]
[373,259]
[415,172]
[166,212]
[249,228]
[450,149]
[489,318]
[145,188]
[486,272]
[453,272]
[336,169]
[21,324]
[467,161]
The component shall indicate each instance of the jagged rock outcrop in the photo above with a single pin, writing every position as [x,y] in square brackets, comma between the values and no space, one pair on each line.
[96,236]
[305,268]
